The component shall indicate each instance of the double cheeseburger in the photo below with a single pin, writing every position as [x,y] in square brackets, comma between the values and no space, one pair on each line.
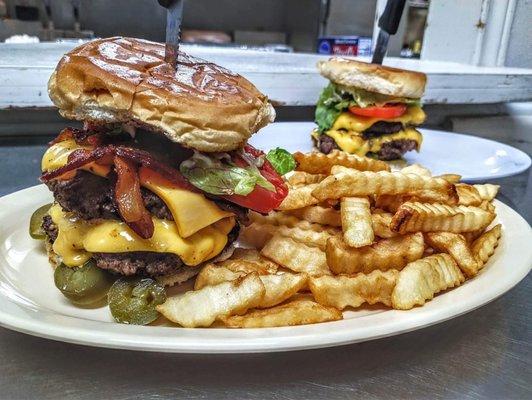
[369,109]
[160,176]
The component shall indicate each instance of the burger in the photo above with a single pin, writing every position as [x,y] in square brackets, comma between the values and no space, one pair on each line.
[159,178]
[369,109]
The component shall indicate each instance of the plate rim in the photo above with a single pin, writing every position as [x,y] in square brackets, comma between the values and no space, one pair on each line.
[79,331]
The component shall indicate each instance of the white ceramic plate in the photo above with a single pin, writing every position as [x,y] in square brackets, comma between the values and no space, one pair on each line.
[30,303]
[476,159]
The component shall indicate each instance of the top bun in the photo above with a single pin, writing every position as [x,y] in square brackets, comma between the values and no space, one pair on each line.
[201,105]
[373,77]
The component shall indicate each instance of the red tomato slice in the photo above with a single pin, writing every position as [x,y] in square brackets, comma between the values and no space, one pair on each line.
[387,111]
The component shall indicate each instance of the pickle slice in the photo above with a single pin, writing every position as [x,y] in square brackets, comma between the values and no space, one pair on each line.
[83,285]
[36,230]
[133,300]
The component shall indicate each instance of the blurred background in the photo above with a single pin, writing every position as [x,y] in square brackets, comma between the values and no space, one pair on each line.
[324,26]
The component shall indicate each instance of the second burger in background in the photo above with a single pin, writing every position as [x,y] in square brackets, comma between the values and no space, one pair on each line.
[369,109]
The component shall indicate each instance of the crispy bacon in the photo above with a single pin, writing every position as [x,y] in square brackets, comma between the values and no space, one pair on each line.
[146,160]
[129,198]
[78,159]
[82,137]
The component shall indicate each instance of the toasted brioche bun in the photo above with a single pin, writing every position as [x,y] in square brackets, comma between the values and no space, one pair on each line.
[201,106]
[373,77]
[181,276]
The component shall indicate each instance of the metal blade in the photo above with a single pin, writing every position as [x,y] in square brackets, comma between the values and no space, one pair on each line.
[380,47]
[174,17]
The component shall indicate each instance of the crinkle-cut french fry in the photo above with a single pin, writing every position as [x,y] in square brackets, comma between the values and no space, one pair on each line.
[468,195]
[424,217]
[391,202]
[296,256]
[274,218]
[305,236]
[279,287]
[393,253]
[485,245]
[251,255]
[356,221]
[284,218]
[202,307]
[319,163]
[352,291]
[346,182]
[486,205]
[420,280]
[487,191]
[318,215]
[263,266]
[451,178]
[299,197]
[295,312]
[416,169]
[470,237]
[457,247]
[299,178]
[212,274]
[380,222]
[255,235]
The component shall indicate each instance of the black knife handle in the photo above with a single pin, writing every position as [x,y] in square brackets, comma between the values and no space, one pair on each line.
[166,3]
[390,18]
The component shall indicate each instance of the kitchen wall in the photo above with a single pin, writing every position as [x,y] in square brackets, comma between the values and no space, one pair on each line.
[297,18]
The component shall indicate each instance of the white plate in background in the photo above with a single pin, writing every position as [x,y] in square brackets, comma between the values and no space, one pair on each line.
[475,158]
[30,303]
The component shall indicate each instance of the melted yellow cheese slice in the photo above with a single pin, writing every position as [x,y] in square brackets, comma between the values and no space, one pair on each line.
[57,154]
[191,211]
[414,115]
[353,143]
[77,239]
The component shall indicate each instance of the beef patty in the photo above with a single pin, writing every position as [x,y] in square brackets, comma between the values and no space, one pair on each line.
[90,197]
[326,144]
[395,149]
[380,128]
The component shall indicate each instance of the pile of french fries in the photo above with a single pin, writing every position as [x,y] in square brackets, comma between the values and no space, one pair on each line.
[349,233]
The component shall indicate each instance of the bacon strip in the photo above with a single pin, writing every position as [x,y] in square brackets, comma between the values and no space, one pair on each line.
[145,159]
[77,159]
[129,198]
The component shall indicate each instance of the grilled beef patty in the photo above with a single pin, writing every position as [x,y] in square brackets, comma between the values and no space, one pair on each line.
[396,148]
[326,144]
[91,197]
[380,128]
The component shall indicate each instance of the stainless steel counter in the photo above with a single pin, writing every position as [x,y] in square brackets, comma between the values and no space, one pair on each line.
[483,354]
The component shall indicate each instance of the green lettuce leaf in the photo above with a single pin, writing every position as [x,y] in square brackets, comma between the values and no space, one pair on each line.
[281,160]
[335,99]
[326,109]
[216,177]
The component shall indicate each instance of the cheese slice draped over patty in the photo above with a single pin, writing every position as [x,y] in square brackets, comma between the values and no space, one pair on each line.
[413,115]
[353,143]
[77,239]
[191,211]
